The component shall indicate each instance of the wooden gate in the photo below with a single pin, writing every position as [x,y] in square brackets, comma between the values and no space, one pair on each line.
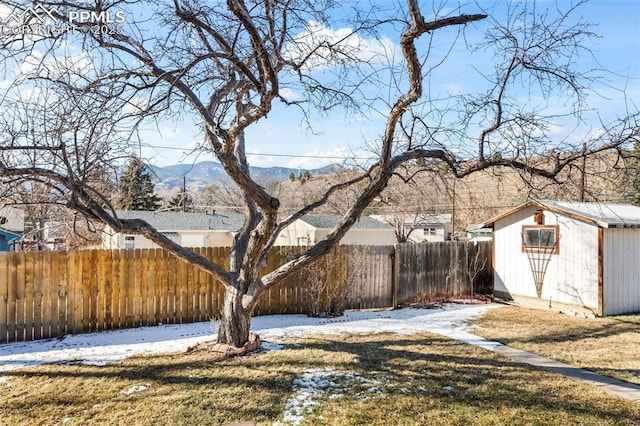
[369,277]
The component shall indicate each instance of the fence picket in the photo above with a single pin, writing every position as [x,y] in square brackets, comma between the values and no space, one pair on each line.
[57,278]
[4,298]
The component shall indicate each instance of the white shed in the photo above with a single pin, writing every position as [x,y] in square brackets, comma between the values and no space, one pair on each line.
[582,254]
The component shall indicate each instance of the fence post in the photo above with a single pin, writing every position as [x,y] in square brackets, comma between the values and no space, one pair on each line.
[394,268]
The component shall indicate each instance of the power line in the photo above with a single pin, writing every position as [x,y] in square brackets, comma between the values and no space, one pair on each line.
[310,156]
[264,154]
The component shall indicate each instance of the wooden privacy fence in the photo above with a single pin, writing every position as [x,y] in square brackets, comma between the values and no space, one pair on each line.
[50,294]
[369,277]
[442,269]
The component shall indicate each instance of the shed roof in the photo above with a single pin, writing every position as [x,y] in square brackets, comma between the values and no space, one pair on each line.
[186,221]
[604,215]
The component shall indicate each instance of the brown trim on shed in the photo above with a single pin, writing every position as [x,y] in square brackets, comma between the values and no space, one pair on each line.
[493,261]
[600,271]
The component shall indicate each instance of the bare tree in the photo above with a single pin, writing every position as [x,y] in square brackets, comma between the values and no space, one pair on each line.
[326,288]
[228,63]
[475,264]
[413,199]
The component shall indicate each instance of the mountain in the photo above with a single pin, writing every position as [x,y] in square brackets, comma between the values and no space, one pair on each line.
[169,178]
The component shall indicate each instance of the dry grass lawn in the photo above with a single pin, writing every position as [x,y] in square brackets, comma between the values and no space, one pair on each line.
[376,379]
[609,346]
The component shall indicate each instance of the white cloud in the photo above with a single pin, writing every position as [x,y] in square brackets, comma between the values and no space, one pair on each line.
[136,105]
[36,64]
[290,94]
[257,159]
[324,47]
[168,150]
[320,158]
[5,11]
[5,84]
[29,64]
[453,89]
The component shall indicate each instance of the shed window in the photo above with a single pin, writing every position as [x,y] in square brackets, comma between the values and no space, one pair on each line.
[540,238]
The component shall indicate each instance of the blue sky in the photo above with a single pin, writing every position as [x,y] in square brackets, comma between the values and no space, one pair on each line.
[281,139]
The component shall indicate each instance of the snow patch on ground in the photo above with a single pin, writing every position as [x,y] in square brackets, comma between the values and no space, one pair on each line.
[135,389]
[110,346]
[316,384]
[309,390]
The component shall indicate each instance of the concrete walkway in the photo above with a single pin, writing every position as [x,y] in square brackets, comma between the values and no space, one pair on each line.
[623,389]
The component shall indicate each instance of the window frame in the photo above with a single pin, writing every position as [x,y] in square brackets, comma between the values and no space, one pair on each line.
[429,231]
[541,249]
[127,239]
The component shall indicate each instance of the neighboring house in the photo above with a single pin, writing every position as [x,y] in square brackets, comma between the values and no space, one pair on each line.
[11,227]
[8,240]
[583,254]
[424,227]
[189,229]
[475,234]
[313,227]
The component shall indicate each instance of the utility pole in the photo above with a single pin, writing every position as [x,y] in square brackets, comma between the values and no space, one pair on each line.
[583,178]
[184,193]
[453,211]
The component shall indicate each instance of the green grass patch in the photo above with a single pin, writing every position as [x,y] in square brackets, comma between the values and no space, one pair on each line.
[609,346]
[382,379]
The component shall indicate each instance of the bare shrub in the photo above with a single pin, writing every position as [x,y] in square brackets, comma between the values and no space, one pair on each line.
[326,287]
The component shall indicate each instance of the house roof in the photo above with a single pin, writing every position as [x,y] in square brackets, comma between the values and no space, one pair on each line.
[604,215]
[9,234]
[186,221]
[416,218]
[13,219]
[328,221]
[193,221]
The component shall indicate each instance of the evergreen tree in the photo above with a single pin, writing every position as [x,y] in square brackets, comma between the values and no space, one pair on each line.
[136,191]
[181,201]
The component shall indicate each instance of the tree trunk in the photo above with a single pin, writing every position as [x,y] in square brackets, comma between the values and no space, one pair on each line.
[235,321]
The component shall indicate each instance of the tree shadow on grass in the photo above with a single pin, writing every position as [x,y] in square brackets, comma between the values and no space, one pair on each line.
[416,372]
[453,371]
[552,327]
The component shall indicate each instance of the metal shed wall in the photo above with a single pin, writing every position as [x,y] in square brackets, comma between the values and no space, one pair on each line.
[621,270]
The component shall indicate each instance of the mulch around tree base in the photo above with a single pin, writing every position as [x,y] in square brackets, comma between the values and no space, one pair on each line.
[228,350]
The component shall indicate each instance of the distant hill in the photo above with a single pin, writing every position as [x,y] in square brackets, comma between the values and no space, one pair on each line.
[169,178]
